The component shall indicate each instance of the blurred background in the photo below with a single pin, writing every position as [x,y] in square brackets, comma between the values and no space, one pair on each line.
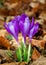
[32,8]
[11,8]
[15,7]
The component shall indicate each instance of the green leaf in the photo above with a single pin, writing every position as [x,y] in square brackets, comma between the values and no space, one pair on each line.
[25,54]
[22,45]
[24,51]
[9,37]
[9,53]
[19,54]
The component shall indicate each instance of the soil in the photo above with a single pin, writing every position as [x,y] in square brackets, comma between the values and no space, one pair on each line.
[40,61]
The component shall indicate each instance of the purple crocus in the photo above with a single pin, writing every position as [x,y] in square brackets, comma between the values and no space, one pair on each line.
[28,28]
[13,28]
[33,28]
[22,23]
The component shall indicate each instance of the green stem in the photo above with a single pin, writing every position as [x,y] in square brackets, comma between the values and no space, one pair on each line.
[29,50]
[24,51]
[19,54]
[24,54]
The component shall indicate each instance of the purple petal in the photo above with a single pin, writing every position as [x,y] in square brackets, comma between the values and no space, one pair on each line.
[24,27]
[11,29]
[34,30]
[36,27]
[31,33]
[32,23]
[7,28]
[16,19]
[21,26]
[23,16]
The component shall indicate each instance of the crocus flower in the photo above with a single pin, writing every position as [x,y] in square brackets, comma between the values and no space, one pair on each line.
[13,28]
[24,25]
[33,29]
[28,28]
